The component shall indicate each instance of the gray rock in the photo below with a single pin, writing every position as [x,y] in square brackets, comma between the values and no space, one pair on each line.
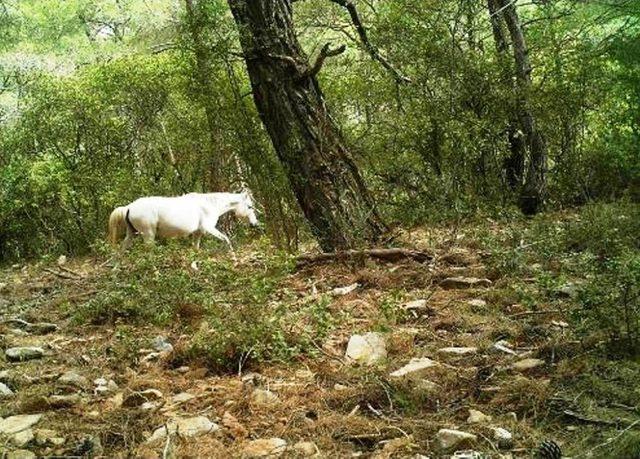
[306,448]
[415,305]
[264,397]
[185,427]
[468,454]
[71,378]
[478,303]
[20,354]
[367,349]
[503,437]
[48,437]
[22,438]
[5,391]
[477,417]
[161,344]
[20,454]
[464,282]
[458,350]
[449,438]
[63,401]
[182,397]
[415,367]
[41,328]
[138,398]
[568,290]
[527,364]
[15,424]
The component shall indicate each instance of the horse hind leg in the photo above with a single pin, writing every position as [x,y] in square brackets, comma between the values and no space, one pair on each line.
[128,240]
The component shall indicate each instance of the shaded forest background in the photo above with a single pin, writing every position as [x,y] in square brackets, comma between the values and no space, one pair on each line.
[102,102]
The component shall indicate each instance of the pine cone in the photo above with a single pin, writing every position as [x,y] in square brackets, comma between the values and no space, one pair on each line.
[549,449]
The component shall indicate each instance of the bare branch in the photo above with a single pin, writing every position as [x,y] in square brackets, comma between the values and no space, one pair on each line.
[325,52]
[372,50]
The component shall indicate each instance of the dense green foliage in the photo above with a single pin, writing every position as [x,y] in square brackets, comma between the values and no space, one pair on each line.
[105,101]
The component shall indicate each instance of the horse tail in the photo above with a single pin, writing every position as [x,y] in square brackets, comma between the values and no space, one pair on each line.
[117,224]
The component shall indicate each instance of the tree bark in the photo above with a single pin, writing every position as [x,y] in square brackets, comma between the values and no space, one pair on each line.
[514,163]
[533,191]
[321,171]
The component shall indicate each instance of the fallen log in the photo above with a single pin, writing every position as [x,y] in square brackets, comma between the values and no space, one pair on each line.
[381,254]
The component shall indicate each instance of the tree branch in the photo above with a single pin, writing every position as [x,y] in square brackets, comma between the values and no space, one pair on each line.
[325,52]
[372,50]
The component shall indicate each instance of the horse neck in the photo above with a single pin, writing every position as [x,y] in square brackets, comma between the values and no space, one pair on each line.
[224,202]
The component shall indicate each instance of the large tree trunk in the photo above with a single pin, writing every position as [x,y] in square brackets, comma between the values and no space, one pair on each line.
[514,162]
[322,173]
[533,191]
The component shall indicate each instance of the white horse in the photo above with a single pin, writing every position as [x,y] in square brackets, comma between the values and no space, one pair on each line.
[179,216]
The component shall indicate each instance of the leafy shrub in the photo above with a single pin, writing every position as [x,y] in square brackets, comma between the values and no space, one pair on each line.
[611,301]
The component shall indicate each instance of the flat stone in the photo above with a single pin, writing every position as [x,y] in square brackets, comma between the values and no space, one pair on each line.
[185,427]
[464,282]
[415,305]
[367,349]
[71,378]
[64,401]
[527,364]
[5,391]
[14,424]
[306,448]
[21,438]
[469,454]
[458,350]
[20,454]
[182,397]
[415,365]
[478,303]
[46,437]
[450,438]
[264,447]
[20,354]
[41,328]
[264,397]
[477,417]
[341,291]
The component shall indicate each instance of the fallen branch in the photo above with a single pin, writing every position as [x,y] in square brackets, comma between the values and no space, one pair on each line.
[534,313]
[611,440]
[63,275]
[381,254]
[588,420]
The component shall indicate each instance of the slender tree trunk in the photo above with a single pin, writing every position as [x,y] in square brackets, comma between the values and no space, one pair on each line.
[514,163]
[321,171]
[533,191]
[218,161]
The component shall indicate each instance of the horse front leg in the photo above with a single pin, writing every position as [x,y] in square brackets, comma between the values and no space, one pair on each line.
[211,229]
[196,241]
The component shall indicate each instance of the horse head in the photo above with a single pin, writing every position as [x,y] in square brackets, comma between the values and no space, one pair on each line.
[245,208]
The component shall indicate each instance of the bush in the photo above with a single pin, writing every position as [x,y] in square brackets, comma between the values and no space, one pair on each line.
[611,302]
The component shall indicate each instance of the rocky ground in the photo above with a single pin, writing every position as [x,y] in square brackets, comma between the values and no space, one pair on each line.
[435,359]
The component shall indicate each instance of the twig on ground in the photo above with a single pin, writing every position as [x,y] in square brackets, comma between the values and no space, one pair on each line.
[395,254]
[535,313]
